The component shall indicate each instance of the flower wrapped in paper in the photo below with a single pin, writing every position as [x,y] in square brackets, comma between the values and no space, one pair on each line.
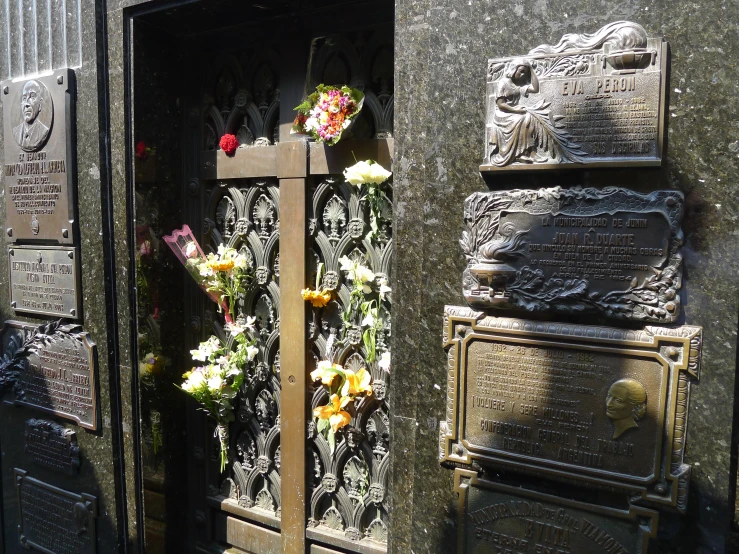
[327,113]
[223,275]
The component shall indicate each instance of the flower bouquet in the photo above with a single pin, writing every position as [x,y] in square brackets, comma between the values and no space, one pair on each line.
[343,387]
[371,175]
[327,113]
[223,276]
[215,384]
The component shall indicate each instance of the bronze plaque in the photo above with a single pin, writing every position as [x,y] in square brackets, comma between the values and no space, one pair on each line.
[613,252]
[58,371]
[52,446]
[496,518]
[53,520]
[38,163]
[603,405]
[594,100]
[45,280]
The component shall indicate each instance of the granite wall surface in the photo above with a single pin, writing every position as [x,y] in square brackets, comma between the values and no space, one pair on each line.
[35,38]
[440,57]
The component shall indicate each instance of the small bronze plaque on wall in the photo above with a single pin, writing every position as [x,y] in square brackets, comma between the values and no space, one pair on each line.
[38,158]
[612,252]
[54,520]
[594,100]
[52,446]
[603,405]
[499,518]
[45,280]
[58,369]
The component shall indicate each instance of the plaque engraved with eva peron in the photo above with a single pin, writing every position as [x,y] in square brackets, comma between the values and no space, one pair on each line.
[591,100]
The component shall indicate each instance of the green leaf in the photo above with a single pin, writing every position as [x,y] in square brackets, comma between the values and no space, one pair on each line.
[323,425]
[331,440]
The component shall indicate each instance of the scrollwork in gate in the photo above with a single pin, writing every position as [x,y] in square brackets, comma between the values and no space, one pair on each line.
[246,217]
[348,487]
[244,101]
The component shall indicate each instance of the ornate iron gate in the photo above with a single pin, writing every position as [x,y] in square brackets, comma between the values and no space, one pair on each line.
[287,208]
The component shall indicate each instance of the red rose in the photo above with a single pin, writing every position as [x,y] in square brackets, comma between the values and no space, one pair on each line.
[141,149]
[229,144]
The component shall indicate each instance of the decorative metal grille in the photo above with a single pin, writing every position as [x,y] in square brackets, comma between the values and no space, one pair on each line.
[246,217]
[349,487]
[245,101]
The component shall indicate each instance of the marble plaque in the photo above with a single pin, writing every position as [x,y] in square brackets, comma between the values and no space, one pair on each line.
[55,368]
[612,252]
[594,100]
[38,161]
[54,520]
[52,446]
[45,280]
[496,518]
[602,405]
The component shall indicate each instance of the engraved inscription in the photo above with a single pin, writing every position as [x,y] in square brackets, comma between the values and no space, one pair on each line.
[591,99]
[52,446]
[602,405]
[561,404]
[613,251]
[617,248]
[37,160]
[58,371]
[54,520]
[501,519]
[44,280]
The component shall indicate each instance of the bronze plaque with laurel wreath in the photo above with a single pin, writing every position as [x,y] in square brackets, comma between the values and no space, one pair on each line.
[612,252]
[602,405]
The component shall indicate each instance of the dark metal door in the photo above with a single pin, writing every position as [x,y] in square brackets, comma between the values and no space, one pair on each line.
[286,206]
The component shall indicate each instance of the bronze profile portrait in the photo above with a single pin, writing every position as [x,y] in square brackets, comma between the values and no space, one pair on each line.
[626,403]
[36,107]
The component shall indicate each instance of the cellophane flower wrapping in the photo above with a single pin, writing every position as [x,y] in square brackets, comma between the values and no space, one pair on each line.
[224,276]
[184,245]
[327,113]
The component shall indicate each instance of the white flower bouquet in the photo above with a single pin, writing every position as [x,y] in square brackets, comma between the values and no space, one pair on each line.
[215,384]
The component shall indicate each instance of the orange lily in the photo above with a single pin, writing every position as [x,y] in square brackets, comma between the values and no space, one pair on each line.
[357,383]
[319,298]
[337,417]
[221,265]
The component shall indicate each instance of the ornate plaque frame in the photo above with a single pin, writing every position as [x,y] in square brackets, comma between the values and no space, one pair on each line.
[592,100]
[613,252]
[676,350]
[39,158]
[33,372]
[556,516]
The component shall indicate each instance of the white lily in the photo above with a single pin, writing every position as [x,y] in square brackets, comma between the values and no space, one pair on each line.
[365,172]
[251,352]
[384,362]
[215,383]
